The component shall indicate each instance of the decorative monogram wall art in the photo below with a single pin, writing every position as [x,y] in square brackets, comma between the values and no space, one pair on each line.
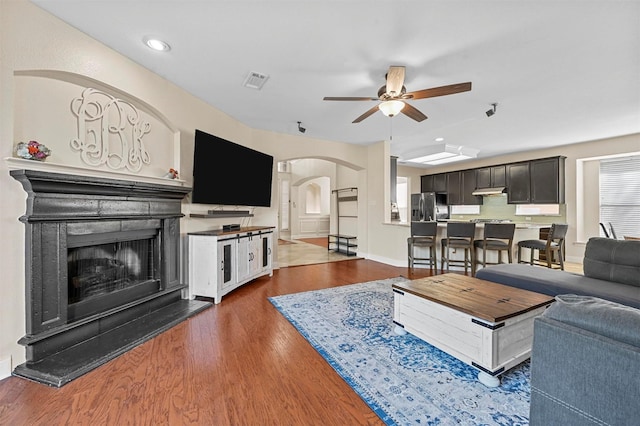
[110,131]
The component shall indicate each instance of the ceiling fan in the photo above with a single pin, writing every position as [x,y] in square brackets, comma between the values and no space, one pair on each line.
[393,96]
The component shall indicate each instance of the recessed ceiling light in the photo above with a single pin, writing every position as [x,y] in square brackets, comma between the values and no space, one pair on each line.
[156,44]
[439,139]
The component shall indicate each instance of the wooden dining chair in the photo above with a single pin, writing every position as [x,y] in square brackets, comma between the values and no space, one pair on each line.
[553,248]
[423,234]
[498,237]
[460,235]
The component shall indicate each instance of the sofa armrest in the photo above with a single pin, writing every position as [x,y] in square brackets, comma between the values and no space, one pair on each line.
[581,376]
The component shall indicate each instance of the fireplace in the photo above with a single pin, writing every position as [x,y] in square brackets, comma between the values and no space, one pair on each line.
[102,270]
[110,270]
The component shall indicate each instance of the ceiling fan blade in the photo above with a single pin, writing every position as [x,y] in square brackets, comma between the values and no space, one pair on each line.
[395,80]
[342,98]
[366,114]
[412,112]
[439,91]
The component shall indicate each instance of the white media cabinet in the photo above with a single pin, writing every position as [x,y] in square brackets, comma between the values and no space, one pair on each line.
[221,261]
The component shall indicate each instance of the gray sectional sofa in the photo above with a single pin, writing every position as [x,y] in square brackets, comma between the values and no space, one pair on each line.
[585,358]
[611,271]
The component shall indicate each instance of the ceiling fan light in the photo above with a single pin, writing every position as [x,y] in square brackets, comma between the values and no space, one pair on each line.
[391,108]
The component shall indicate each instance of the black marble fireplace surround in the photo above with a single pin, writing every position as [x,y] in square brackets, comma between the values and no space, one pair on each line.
[102,270]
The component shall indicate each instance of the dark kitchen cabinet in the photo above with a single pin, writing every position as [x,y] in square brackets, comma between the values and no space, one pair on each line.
[434,183]
[460,186]
[440,182]
[483,177]
[468,186]
[498,176]
[527,182]
[426,183]
[491,177]
[454,188]
[547,181]
[518,183]
[536,182]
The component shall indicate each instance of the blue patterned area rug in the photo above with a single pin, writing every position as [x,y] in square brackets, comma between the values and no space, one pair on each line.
[402,378]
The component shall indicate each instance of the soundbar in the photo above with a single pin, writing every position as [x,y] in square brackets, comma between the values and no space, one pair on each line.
[225,212]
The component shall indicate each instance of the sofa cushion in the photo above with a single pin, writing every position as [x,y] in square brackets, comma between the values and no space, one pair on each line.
[613,260]
[554,282]
[603,317]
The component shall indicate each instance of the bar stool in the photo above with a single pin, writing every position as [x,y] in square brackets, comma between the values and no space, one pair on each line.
[423,234]
[553,247]
[497,237]
[459,236]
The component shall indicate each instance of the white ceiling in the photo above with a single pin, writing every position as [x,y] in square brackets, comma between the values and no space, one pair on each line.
[561,72]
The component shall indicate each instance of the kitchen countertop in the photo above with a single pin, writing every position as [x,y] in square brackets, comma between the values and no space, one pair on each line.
[519,225]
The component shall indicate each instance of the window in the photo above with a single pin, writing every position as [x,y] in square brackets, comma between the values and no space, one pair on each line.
[620,195]
[537,209]
[465,209]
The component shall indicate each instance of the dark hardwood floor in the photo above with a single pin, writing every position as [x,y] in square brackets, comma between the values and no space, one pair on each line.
[238,363]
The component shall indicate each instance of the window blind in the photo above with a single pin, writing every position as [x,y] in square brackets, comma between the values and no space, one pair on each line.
[620,195]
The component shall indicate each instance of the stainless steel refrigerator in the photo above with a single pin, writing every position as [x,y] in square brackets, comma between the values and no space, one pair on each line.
[423,207]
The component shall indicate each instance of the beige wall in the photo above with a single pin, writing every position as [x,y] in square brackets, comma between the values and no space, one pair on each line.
[31,39]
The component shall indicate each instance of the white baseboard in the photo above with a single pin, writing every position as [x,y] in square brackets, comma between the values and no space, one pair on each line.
[5,368]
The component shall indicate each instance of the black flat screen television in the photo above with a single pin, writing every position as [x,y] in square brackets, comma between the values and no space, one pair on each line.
[229,174]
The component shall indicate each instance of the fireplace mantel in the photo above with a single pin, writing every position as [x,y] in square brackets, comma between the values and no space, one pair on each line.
[64,209]
[52,196]
[14,163]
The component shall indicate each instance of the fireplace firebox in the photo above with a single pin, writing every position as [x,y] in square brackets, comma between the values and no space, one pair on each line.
[102,270]
[105,275]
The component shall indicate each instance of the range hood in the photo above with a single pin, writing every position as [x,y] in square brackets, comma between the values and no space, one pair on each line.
[489,191]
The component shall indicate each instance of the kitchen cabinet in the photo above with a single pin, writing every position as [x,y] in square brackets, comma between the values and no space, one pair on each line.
[518,183]
[491,177]
[221,261]
[460,186]
[468,185]
[426,183]
[536,182]
[434,183]
[454,188]
[440,182]
[547,181]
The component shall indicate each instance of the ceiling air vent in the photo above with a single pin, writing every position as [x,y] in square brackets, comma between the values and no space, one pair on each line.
[255,80]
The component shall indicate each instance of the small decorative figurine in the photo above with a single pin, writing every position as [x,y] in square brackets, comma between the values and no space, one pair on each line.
[172,174]
[32,150]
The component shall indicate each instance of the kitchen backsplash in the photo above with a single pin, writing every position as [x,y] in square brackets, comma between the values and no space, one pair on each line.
[496,207]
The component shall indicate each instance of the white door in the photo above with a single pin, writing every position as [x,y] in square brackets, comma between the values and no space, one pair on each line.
[284,204]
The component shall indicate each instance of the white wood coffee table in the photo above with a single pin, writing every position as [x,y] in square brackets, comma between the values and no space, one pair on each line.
[484,324]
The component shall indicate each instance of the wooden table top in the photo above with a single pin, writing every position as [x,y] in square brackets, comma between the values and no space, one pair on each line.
[487,300]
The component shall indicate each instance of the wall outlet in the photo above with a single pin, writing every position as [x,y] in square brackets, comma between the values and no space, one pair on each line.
[527,218]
